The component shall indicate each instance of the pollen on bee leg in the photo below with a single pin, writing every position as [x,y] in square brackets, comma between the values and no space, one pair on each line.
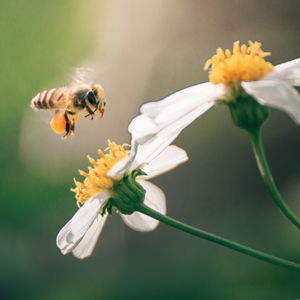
[74,118]
[58,125]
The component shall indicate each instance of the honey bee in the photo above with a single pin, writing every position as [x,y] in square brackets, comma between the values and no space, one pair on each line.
[69,102]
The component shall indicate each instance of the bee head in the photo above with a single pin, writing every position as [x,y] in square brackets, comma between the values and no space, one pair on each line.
[91,103]
[91,98]
[94,100]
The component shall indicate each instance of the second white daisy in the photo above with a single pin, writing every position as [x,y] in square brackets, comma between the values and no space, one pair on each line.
[117,181]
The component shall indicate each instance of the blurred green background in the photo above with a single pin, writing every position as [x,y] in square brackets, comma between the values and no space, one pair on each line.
[142,51]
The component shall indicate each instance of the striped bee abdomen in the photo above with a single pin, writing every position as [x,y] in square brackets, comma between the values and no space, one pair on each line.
[49,99]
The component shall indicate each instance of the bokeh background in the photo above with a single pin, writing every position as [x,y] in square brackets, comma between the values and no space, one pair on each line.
[142,51]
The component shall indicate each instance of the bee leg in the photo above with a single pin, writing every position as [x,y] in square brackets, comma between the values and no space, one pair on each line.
[69,126]
[72,127]
[91,113]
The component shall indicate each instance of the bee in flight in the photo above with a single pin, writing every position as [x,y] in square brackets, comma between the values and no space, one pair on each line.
[69,102]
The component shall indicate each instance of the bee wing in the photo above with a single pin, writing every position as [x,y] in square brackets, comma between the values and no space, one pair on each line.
[83,75]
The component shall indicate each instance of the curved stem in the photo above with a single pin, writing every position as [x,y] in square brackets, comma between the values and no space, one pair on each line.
[216,239]
[268,178]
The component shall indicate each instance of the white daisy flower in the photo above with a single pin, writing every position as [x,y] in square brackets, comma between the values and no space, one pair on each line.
[118,181]
[233,77]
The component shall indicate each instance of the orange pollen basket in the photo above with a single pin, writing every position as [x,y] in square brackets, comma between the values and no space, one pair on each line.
[58,123]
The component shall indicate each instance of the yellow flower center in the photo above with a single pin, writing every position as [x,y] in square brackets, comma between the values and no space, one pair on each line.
[97,180]
[245,64]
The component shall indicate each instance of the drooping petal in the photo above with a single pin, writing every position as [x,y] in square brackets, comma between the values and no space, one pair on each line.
[158,114]
[155,199]
[167,160]
[73,232]
[290,71]
[274,92]
[88,242]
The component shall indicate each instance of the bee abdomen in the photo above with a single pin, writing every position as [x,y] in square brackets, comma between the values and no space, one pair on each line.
[48,99]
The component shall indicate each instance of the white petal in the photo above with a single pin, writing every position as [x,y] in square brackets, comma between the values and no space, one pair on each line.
[143,154]
[155,199]
[167,160]
[158,114]
[149,150]
[87,244]
[73,232]
[162,121]
[274,92]
[182,100]
[163,138]
[124,165]
[290,71]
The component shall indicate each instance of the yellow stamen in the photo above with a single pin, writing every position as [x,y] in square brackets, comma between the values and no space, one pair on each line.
[83,173]
[243,49]
[227,53]
[79,184]
[245,64]
[96,180]
[101,154]
[92,161]
[220,54]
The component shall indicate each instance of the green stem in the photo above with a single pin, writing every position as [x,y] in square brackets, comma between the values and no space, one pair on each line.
[268,178]
[216,239]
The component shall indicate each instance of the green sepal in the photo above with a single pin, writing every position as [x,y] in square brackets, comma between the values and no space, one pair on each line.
[126,195]
[245,111]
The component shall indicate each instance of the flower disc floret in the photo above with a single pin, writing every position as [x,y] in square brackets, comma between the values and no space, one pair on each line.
[245,64]
[96,180]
